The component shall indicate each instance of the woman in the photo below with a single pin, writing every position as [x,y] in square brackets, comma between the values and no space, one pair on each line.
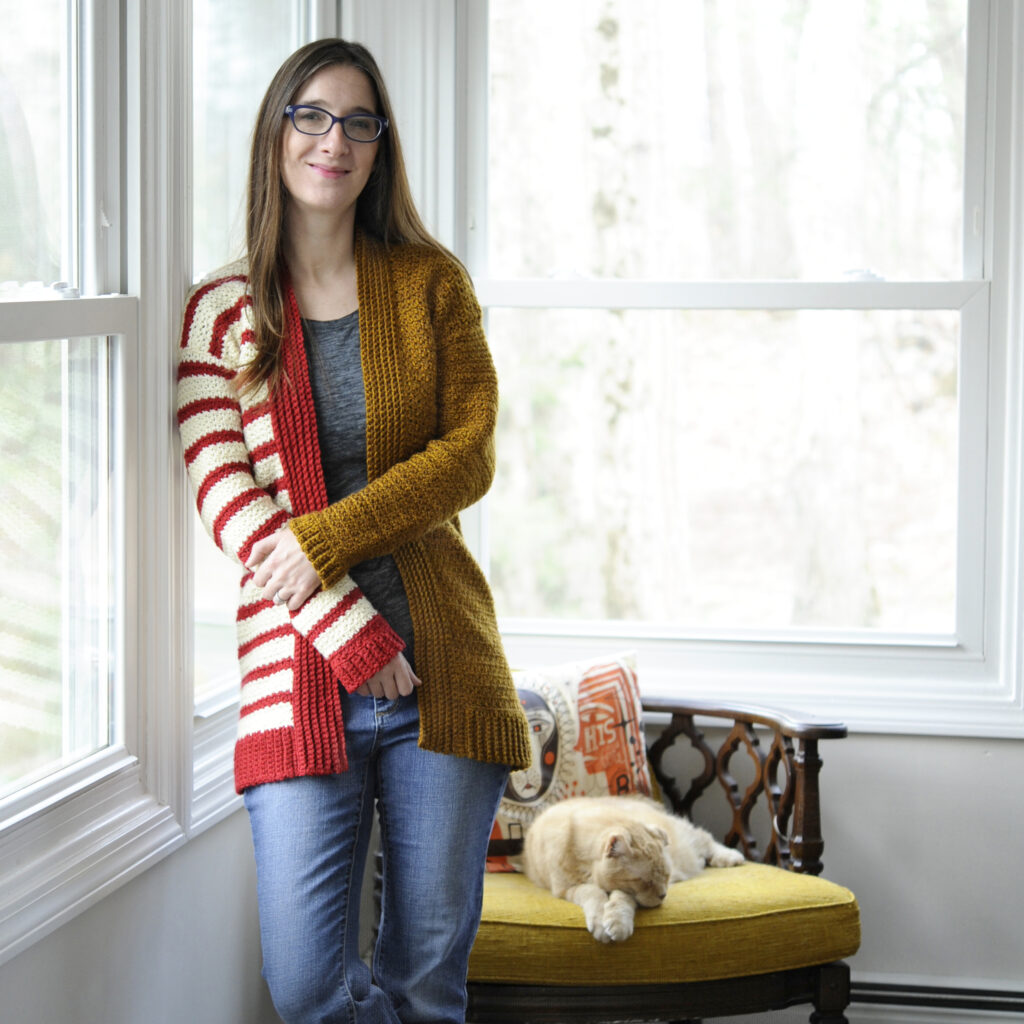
[337,405]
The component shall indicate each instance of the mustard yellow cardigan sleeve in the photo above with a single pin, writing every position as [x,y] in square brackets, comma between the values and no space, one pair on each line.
[455,467]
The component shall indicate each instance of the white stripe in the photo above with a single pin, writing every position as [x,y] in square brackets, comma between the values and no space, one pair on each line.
[260,689]
[214,455]
[321,603]
[342,630]
[259,431]
[268,469]
[225,491]
[196,427]
[197,386]
[246,522]
[263,621]
[278,648]
[276,716]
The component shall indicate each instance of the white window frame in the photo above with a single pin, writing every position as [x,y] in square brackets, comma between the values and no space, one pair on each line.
[75,836]
[70,838]
[968,683]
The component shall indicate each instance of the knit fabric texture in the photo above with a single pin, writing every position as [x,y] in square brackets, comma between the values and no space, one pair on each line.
[254,462]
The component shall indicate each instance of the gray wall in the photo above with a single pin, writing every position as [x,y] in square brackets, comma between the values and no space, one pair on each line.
[177,945]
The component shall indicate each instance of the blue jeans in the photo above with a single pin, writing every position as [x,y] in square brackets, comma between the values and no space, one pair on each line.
[311,837]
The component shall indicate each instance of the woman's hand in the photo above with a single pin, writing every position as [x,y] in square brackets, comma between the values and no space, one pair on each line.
[395,679]
[283,570]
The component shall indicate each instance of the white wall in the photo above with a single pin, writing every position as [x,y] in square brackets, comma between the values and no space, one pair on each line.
[177,945]
[929,833]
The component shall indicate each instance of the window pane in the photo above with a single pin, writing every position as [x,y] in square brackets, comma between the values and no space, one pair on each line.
[55,556]
[714,140]
[758,470]
[237,47]
[35,165]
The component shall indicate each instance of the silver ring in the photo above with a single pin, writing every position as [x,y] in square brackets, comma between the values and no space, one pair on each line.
[278,599]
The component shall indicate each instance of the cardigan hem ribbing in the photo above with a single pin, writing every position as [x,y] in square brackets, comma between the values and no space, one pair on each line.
[481,733]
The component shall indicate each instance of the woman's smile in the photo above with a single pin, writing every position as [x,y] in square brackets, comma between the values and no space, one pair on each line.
[329,172]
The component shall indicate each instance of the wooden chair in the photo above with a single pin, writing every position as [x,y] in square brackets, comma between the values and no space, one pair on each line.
[763,936]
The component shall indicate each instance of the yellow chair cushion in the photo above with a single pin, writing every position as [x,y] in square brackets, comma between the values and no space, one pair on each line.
[725,923]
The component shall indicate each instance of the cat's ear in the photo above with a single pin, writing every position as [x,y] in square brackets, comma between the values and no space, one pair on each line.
[659,833]
[616,845]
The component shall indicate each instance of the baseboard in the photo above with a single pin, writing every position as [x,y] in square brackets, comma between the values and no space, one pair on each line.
[922,1004]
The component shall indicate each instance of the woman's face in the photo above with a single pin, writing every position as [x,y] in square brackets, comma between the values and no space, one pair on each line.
[328,172]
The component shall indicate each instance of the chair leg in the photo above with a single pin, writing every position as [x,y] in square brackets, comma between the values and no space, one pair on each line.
[832,995]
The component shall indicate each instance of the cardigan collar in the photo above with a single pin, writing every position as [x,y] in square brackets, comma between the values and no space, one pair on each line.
[292,409]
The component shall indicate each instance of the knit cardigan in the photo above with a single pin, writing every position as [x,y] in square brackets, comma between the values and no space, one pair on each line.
[254,463]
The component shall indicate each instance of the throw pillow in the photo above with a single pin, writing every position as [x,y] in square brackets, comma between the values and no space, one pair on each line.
[588,740]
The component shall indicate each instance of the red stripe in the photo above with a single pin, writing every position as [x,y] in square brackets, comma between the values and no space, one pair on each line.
[334,614]
[201,405]
[224,322]
[220,473]
[264,451]
[215,437]
[255,412]
[197,297]
[247,611]
[243,500]
[272,525]
[262,638]
[191,368]
[266,670]
[281,697]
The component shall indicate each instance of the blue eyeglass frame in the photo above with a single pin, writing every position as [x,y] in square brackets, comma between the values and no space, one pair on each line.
[293,107]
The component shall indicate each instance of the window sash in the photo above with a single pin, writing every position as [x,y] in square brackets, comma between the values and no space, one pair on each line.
[968,683]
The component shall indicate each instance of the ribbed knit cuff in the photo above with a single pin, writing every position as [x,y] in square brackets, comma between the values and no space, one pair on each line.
[317,547]
[366,653]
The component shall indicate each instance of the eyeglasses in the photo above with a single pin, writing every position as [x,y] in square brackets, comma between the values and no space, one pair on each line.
[316,121]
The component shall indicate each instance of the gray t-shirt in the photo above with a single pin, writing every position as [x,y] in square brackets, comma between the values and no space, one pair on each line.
[339,397]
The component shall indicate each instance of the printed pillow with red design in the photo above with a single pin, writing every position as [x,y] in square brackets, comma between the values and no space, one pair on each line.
[588,740]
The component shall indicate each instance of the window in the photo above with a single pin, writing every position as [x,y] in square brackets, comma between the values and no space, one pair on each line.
[58,546]
[237,46]
[745,297]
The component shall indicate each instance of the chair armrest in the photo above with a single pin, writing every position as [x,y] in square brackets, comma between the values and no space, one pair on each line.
[783,748]
[803,727]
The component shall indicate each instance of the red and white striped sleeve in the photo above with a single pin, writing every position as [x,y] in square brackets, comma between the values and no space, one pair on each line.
[234,509]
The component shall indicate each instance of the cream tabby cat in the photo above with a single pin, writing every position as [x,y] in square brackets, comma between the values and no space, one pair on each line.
[609,854]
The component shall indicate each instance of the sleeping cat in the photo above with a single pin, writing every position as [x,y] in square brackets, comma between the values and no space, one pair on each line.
[611,853]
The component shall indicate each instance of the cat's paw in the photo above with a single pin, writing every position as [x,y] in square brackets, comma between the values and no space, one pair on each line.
[595,922]
[592,901]
[617,919]
[725,857]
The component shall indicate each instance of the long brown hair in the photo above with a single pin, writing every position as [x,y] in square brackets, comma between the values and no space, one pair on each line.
[385,209]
